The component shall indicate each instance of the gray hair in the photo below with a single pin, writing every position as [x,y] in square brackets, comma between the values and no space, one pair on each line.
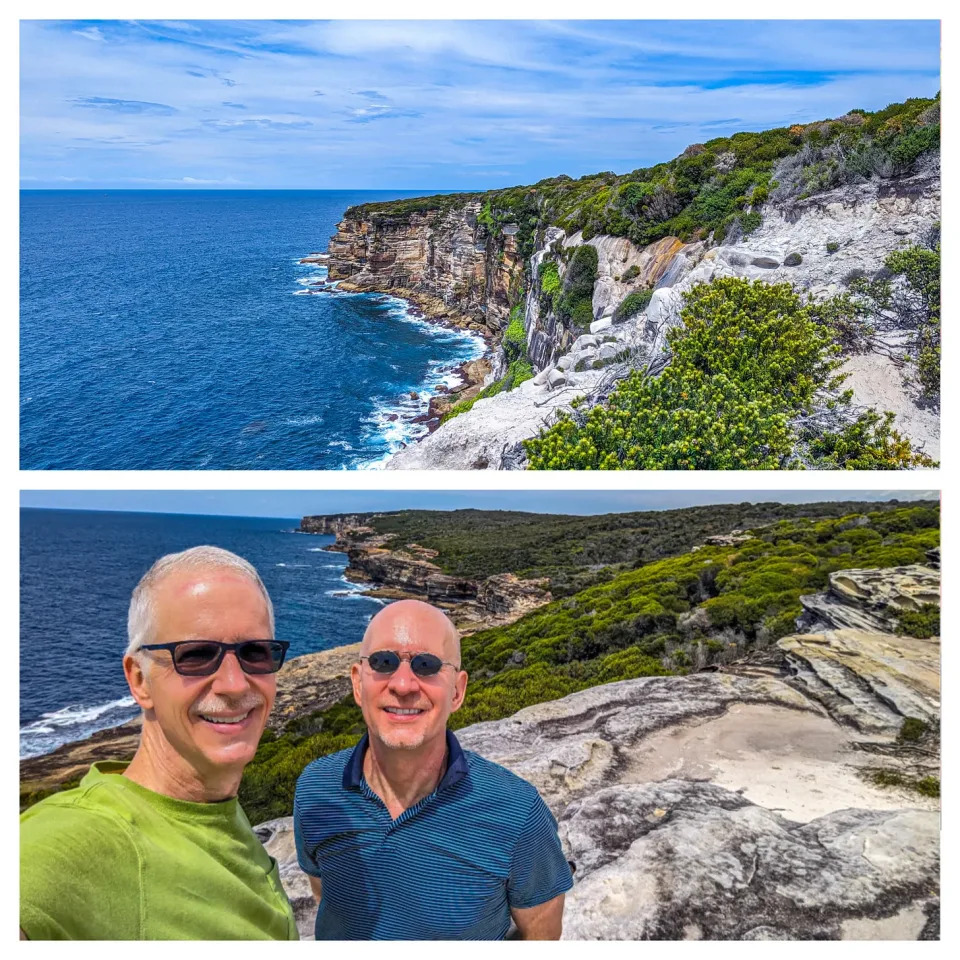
[140,620]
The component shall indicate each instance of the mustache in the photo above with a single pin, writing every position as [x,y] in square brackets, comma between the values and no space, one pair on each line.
[215,703]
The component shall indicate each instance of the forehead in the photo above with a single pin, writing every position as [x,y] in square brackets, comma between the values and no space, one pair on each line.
[418,631]
[213,604]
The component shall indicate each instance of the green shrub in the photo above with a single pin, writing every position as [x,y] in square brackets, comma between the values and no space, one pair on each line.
[748,359]
[549,277]
[632,304]
[832,246]
[631,273]
[750,222]
[792,260]
[576,302]
[922,623]
[911,730]
[926,786]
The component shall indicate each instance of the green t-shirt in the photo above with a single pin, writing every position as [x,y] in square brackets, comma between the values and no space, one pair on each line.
[111,860]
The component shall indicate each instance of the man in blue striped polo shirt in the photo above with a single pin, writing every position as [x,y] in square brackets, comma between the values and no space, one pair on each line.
[407,836]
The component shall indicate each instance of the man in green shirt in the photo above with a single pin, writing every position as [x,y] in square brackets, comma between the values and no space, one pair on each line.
[160,848]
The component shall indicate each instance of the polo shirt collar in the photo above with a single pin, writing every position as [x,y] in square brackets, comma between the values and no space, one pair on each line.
[456,764]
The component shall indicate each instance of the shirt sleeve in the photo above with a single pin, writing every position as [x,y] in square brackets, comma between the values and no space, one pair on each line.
[79,876]
[305,856]
[539,871]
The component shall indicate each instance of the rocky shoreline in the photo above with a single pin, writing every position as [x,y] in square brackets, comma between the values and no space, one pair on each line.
[472,373]
[410,573]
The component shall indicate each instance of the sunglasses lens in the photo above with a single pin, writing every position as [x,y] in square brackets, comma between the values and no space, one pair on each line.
[260,656]
[426,665]
[383,661]
[196,659]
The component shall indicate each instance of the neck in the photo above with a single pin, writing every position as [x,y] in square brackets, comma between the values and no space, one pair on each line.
[158,767]
[402,778]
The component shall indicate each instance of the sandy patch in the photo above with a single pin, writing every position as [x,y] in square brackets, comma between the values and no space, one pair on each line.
[878,382]
[799,764]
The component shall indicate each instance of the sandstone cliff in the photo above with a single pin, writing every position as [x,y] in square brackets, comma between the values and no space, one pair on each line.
[409,572]
[748,804]
[445,260]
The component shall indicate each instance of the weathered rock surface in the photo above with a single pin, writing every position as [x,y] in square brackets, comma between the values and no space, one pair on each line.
[870,680]
[682,860]
[871,599]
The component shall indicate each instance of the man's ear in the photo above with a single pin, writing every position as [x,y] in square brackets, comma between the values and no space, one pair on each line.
[459,691]
[355,680]
[137,681]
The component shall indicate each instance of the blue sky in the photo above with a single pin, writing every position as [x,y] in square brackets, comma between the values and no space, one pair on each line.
[430,104]
[298,503]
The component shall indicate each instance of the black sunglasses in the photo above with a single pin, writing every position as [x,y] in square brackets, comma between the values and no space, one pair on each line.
[422,664]
[201,658]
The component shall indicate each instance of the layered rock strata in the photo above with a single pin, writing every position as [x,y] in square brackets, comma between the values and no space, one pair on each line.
[444,260]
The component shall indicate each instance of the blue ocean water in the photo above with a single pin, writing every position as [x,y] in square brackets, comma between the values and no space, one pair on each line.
[176,330]
[77,569]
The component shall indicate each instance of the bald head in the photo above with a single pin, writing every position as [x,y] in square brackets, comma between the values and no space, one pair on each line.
[413,625]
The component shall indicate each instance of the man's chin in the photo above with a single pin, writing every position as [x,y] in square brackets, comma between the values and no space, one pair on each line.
[401,740]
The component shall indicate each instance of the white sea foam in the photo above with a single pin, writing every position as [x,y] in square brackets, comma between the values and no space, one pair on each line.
[74,722]
[303,421]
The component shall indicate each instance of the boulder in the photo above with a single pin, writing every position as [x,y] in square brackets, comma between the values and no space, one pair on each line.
[585,341]
[556,378]
[871,599]
[604,323]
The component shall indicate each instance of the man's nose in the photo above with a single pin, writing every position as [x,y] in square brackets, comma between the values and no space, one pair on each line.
[229,677]
[403,680]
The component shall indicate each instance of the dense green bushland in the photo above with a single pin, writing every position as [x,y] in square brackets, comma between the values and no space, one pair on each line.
[573,551]
[748,360]
[921,623]
[682,611]
[711,187]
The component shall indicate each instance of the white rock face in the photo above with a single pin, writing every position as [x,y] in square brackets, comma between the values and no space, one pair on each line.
[479,438]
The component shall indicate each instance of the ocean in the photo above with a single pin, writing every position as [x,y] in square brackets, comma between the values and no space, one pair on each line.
[176,330]
[77,569]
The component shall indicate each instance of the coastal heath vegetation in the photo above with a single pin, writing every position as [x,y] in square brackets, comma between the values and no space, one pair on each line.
[703,606]
[749,365]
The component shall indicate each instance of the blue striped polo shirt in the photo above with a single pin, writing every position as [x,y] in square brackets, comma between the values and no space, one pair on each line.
[448,868]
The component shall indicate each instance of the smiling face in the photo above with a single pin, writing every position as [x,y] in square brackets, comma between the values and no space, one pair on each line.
[210,723]
[401,710]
